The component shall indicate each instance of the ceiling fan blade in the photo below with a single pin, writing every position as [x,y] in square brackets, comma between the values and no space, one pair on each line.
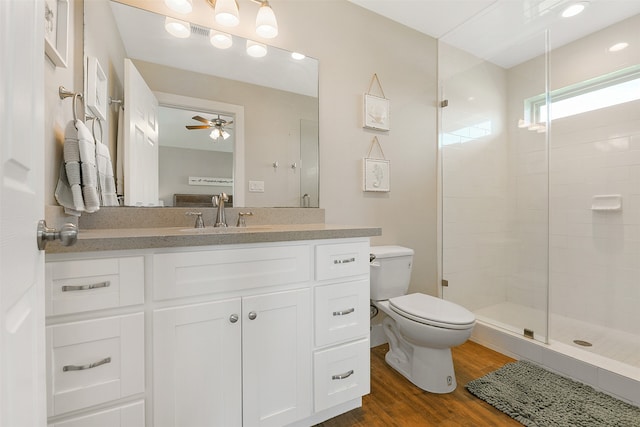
[203,120]
[197,127]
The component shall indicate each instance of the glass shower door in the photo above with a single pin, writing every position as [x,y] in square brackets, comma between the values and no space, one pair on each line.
[494,189]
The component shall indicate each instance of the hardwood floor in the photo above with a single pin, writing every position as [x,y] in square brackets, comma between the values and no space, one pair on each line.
[394,401]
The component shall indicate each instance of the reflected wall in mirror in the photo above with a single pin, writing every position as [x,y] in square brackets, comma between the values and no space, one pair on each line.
[279,96]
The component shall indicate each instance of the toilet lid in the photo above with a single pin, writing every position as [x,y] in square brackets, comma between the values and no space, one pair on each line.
[432,311]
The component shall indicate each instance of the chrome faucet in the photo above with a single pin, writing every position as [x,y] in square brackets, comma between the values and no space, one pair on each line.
[218,201]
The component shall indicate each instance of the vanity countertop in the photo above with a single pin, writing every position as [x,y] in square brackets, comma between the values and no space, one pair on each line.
[164,237]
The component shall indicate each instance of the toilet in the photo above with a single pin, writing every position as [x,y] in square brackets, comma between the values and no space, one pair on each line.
[421,329]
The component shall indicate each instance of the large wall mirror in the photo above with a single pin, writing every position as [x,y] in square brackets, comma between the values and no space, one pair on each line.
[253,121]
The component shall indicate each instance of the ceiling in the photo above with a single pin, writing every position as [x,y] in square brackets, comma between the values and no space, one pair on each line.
[505,32]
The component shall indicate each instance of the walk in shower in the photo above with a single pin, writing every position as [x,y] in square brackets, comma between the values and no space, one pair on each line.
[540,191]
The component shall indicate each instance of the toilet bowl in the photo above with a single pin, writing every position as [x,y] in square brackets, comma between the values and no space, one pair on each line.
[421,329]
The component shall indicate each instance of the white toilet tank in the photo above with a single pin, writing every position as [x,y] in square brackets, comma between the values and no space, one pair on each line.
[390,271]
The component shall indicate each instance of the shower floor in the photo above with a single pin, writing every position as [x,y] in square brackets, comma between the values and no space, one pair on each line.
[611,344]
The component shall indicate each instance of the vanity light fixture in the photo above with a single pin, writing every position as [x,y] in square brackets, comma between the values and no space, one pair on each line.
[297,56]
[266,24]
[226,13]
[177,28]
[180,6]
[255,49]
[220,40]
[574,9]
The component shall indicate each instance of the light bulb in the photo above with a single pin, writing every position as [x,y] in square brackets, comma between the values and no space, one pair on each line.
[220,40]
[227,13]
[177,28]
[255,49]
[215,133]
[266,24]
[225,134]
[180,6]
[574,9]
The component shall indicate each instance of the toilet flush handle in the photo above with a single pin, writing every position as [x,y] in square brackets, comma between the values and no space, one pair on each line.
[375,264]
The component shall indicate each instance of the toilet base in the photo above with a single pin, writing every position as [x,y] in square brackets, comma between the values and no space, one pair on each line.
[431,369]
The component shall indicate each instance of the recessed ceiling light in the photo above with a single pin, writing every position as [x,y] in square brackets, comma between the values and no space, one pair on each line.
[574,9]
[618,47]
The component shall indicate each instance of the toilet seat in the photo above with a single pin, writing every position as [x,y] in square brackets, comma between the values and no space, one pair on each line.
[432,311]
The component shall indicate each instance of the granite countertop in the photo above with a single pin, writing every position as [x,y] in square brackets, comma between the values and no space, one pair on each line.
[164,237]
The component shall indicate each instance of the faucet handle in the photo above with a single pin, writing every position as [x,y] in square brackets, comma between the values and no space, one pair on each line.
[215,200]
[199,222]
[241,222]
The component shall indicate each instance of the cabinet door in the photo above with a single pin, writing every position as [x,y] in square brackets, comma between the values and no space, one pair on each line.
[276,331]
[197,365]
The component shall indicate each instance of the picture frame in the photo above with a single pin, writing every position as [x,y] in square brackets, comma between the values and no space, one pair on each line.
[97,100]
[56,31]
[376,175]
[376,113]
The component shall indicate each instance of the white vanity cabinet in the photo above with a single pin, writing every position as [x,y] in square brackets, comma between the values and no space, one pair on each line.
[255,334]
[95,341]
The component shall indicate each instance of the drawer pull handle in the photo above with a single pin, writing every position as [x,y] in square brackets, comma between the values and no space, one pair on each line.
[342,376]
[343,312]
[84,367]
[67,288]
[344,261]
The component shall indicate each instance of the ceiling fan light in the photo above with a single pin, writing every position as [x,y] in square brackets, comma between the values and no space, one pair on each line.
[177,28]
[215,134]
[266,24]
[220,40]
[255,49]
[225,134]
[226,12]
[180,6]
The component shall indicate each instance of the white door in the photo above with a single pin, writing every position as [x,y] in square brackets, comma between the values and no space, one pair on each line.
[140,140]
[22,383]
[197,365]
[276,354]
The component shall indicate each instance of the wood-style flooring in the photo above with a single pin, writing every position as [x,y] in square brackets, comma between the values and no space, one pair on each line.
[394,401]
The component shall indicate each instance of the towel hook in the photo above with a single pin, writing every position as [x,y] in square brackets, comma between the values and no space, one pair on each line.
[64,93]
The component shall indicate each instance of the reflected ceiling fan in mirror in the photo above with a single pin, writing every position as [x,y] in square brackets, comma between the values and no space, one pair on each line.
[218,124]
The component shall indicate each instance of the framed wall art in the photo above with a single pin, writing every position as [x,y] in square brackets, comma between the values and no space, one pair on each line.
[56,31]
[97,101]
[376,175]
[376,109]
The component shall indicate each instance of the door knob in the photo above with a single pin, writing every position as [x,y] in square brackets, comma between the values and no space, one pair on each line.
[68,234]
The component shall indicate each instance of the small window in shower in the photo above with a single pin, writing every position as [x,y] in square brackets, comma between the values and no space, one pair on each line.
[601,92]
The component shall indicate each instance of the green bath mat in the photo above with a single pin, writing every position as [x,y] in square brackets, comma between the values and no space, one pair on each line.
[536,397]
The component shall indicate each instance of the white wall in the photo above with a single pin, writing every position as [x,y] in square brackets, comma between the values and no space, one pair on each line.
[351,44]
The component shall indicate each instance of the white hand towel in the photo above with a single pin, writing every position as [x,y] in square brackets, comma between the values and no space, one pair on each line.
[68,191]
[120,153]
[87,147]
[106,184]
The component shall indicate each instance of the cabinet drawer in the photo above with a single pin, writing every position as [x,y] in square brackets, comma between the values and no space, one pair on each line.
[341,312]
[341,374]
[131,415]
[342,260]
[93,284]
[94,361]
[207,272]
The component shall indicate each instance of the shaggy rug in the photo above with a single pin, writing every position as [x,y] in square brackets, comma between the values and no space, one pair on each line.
[536,397]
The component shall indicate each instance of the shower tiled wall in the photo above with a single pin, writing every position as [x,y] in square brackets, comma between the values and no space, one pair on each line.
[595,254]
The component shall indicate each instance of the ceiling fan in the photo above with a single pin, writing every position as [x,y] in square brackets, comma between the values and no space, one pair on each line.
[218,124]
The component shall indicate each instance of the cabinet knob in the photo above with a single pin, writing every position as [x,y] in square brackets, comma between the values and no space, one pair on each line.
[233,318]
[252,315]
